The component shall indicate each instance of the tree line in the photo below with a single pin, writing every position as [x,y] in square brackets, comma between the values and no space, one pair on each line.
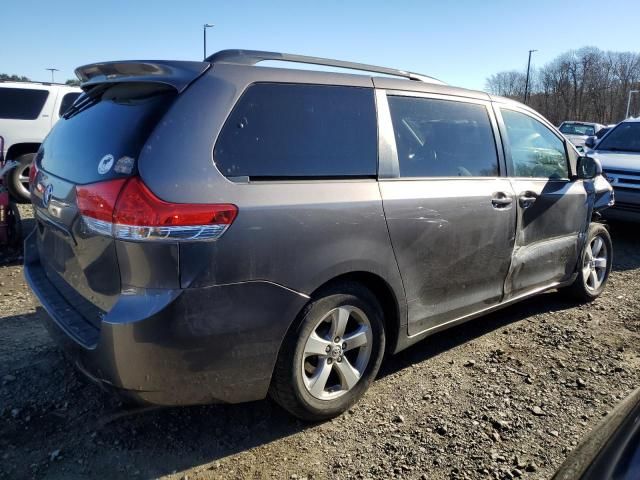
[586,84]
[21,78]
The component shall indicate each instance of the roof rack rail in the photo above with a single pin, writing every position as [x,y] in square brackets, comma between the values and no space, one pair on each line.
[252,57]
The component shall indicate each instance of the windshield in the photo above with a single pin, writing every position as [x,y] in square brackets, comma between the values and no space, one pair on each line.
[577,129]
[625,138]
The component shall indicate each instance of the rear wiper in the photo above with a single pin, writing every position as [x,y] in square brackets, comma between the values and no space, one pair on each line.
[92,96]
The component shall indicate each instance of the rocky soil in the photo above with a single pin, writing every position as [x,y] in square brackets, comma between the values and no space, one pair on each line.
[504,396]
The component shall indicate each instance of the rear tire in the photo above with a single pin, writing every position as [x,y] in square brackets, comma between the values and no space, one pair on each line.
[17,179]
[594,265]
[331,355]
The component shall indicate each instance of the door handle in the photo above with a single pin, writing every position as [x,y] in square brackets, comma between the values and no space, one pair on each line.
[527,199]
[501,200]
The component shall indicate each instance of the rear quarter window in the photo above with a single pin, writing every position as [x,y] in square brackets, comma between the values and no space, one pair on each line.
[299,131]
[22,103]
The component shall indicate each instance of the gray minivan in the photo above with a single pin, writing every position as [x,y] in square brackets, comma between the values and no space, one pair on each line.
[218,231]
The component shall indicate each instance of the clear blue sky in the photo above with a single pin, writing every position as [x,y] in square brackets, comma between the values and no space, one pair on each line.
[461,42]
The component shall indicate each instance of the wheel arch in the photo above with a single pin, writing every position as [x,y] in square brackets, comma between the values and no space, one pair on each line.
[18,149]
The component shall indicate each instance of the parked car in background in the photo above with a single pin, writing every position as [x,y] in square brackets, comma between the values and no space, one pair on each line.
[247,230]
[28,110]
[611,450]
[578,132]
[619,154]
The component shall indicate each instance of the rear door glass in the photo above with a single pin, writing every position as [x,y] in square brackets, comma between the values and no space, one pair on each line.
[22,103]
[300,131]
[443,138]
[101,139]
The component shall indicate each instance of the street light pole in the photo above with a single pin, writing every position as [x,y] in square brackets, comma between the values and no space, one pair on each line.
[526,84]
[204,37]
[52,70]
[631,92]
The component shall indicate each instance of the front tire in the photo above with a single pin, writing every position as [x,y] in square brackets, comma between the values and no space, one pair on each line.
[17,179]
[331,355]
[594,266]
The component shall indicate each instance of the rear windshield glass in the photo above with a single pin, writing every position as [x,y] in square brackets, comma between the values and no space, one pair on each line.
[299,131]
[21,103]
[101,135]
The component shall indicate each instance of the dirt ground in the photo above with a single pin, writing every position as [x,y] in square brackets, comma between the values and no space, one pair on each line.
[508,395]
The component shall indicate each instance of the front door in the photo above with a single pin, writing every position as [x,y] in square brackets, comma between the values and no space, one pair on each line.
[552,209]
[451,217]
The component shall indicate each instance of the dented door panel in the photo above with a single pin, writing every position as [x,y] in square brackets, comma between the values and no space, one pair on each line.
[552,217]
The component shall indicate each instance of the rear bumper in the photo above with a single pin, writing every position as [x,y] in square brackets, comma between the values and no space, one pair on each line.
[627,206]
[175,347]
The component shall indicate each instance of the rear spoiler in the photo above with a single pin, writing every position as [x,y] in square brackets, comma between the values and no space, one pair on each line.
[178,74]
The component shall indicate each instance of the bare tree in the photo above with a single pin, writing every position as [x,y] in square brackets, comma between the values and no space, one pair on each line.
[586,84]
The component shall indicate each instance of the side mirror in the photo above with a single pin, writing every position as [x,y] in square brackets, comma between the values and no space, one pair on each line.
[590,142]
[589,168]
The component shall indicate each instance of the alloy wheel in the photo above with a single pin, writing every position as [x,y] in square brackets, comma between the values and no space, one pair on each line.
[594,265]
[336,353]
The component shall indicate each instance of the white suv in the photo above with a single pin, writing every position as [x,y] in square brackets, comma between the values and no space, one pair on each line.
[28,110]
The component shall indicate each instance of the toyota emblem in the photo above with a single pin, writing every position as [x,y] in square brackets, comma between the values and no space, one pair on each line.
[46,196]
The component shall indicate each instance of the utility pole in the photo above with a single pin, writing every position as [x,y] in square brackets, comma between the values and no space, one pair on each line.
[526,84]
[52,70]
[631,92]
[204,38]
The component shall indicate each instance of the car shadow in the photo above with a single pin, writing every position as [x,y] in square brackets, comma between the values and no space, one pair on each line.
[453,337]
[626,245]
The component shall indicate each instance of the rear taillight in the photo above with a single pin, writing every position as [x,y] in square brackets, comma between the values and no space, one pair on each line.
[33,172]
[128,210]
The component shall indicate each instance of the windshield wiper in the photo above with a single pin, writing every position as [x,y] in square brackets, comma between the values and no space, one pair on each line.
[91,98]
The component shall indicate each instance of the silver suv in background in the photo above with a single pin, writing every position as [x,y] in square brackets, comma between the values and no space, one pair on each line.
[246,230]
[578,132]
[619,154]
[28,110]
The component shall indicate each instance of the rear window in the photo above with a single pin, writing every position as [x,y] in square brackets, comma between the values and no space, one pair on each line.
[299,131]
[100,138]
[22,103]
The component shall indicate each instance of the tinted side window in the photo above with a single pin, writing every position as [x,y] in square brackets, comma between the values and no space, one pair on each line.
[21,103]
[535,150]
[67,101]
[298,131]
[443,138]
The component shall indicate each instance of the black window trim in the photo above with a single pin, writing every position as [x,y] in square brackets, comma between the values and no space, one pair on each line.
[498,107]
[293,179]
[392,171]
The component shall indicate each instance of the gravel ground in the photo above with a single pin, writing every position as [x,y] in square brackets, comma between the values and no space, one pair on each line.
[508,395]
